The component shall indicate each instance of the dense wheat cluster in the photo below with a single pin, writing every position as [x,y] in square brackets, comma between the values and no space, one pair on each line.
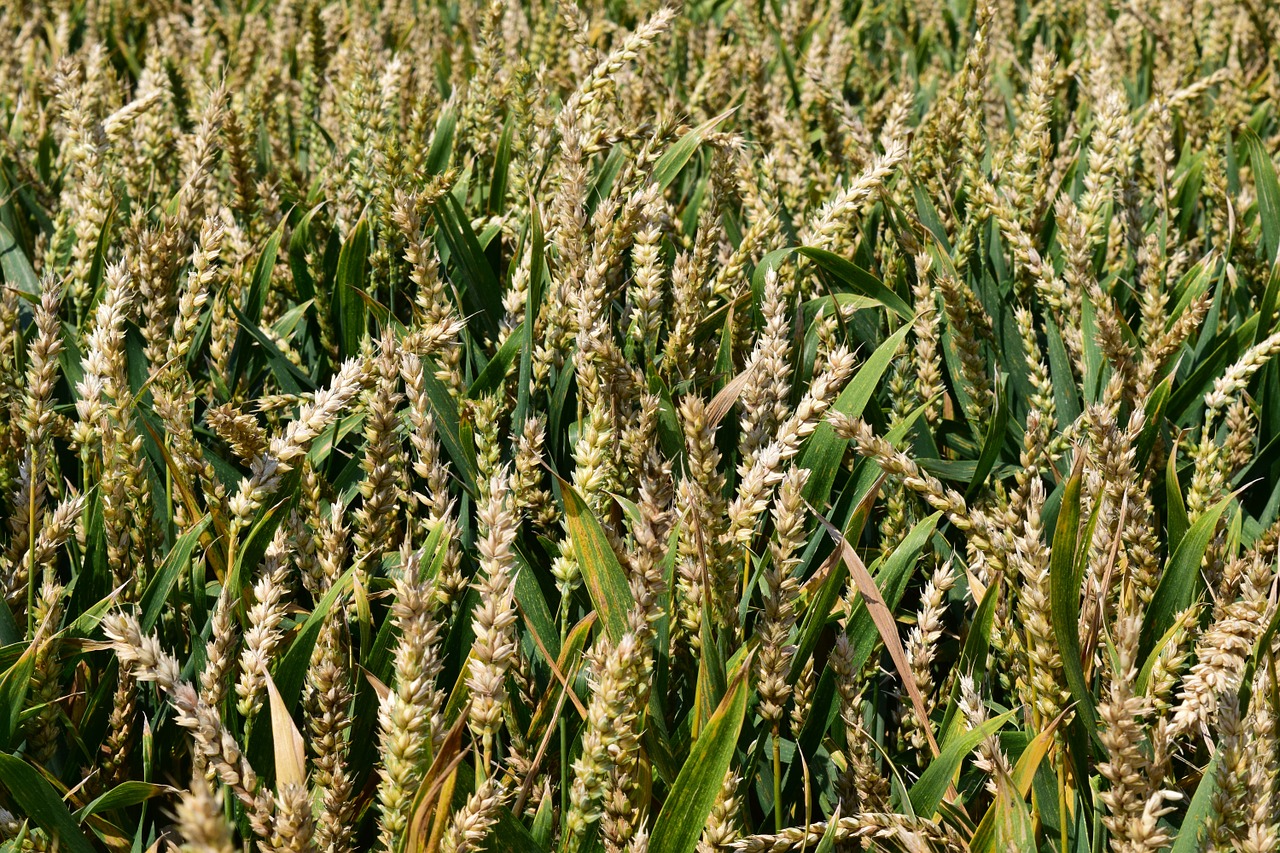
[576,426]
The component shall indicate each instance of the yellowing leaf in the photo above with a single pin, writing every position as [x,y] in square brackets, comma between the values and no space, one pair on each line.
[605,581]
[695,790]
[291,756]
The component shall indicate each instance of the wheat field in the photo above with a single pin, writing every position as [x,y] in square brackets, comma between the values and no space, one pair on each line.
[577,425]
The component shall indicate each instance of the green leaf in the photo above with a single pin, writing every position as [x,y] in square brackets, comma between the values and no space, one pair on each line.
[260,284]
[17,270]
[299,246]
[771,261]
[605,176]
[1154,413]
[892,577]
[928,215]
[825,449]
[1176,519]
[510,835]
[1177,587]
[9,632]
[1007,824]
[1064,595]
[1222,350]
[1191,286]
[827,304]
[442,142]
[603,576]
[250,313]
[1270,298]
[1268,188]
[14,685]
[532,603]
[694,793]
[537,247]
[994,442]
[437,549]
[928,790]
[662,664]
[128,793]
[542,825]
[1013,827]
[177,561]
[349,307]
[501,164]
[712,678]
[291,379]
[249,554]
[89,619]
[1199,811]
[882,616]
[977,645]
[858,280]
[673,160]
[98,266]
[828,842]
[815,619]
[973,657]
[1066,398]
[723,371]
[1094,360]
[444,409]
[491,378]
[1144,675]
[287,323]
[480,288]
[38,801]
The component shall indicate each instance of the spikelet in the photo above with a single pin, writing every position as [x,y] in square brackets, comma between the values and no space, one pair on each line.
[494,619]
[470,825]
[200,820]
[1044,687]
[609,715]
[759,477]
[215,745]
[881,829]
[285,450]
[1135,801]
[721,828]
[920,645]
[376,523]
[990,759]
[329,694]
[779,616]
[263,634]
[408,715]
